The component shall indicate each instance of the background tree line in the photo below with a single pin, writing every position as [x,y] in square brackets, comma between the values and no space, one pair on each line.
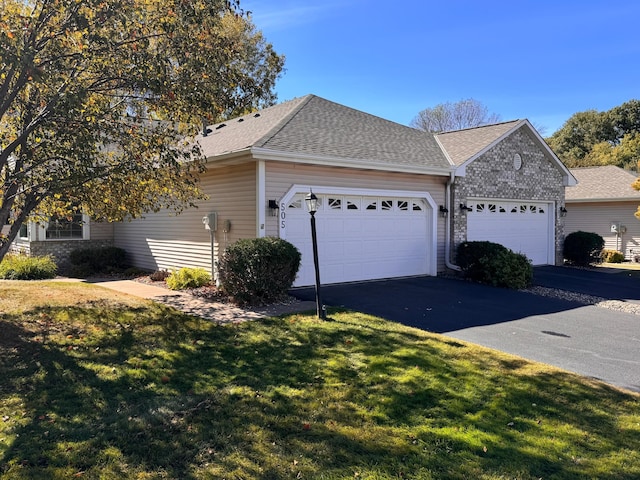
[593,138]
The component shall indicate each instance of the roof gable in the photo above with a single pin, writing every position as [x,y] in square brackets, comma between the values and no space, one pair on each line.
[462,145]
[314,130]
[465,146]
[605,183]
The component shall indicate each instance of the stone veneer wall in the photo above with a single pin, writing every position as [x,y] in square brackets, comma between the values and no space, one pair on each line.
[59,249]
[492,175]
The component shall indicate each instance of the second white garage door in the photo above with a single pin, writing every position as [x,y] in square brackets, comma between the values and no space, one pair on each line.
[522,226]
[360,237]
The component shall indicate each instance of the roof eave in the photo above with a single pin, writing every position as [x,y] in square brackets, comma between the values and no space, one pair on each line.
[229,158]
[330,161]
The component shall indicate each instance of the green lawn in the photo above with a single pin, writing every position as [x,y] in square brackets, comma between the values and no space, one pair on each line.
[94,384]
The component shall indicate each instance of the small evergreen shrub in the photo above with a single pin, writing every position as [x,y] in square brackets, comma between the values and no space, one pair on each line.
[612,256]
[494,264]
[259,270]
[21,267]
[188,277]
[583,248]
[89,261]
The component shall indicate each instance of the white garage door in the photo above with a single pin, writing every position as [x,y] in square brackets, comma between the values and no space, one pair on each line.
[524,227]
[360,237]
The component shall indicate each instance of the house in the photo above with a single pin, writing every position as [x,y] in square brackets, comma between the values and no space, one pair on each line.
[394,201]
[605,203]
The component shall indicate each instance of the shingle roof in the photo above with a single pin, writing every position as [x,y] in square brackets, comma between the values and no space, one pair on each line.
[461,145]
[316,128]
[606,183]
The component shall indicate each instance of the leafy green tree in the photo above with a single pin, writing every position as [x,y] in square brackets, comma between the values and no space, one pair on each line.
[100,101]
[625,119]
[600,138]
[625,154]
[578,135]
[454,116]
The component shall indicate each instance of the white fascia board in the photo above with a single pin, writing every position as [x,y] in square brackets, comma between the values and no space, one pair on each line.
[266,154]
[444,150]
[229,158]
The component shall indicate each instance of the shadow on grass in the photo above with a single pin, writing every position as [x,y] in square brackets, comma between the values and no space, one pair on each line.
[120,392]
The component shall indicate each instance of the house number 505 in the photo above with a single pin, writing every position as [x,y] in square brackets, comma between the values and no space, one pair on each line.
[283,215]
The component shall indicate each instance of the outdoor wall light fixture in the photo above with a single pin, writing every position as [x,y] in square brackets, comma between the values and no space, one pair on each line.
[312,206]
[463,207]
[273,208]
[443,211]
[563,211]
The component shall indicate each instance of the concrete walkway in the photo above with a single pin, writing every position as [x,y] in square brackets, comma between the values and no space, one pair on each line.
[215,311]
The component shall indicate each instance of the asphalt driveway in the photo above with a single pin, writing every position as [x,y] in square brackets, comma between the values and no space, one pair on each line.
[589,340]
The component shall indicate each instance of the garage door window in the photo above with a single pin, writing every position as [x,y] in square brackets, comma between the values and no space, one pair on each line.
[488,208]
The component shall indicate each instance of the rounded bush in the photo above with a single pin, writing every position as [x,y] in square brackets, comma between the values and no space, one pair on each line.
[88,261]
[258,270]
[188,278]
[21,267]
[494,264]
[612,256]
[583,248]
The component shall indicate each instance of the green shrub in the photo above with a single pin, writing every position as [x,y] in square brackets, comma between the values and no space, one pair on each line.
[188,278]
[89,261]
[494,264]
[259,270]
[612,256]
[583,248]
[21,267]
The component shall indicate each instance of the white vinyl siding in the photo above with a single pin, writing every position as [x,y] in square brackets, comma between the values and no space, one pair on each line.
[281,176]
[165,241]
[597,217]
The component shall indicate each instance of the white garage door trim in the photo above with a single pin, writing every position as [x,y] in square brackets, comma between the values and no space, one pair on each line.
[533,220]
[431,219]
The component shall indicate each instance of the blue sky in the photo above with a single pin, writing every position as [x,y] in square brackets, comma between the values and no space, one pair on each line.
[542,60]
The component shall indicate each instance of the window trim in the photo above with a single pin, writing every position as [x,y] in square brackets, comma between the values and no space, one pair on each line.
[85,232]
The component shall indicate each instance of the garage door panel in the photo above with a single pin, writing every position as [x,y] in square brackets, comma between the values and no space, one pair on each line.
[389,239]
[523,227]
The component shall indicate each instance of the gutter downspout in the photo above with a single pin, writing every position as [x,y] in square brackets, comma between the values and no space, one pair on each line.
[447,231]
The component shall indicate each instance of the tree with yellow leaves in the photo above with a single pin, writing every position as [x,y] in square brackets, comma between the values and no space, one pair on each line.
[100,101]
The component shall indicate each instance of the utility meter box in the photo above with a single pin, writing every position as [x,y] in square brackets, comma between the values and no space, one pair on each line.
[615,227]
[210,221]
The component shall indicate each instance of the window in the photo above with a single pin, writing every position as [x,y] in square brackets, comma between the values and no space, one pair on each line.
[403,205]
[387,204]
[335,203]
[65,227]
[23,233]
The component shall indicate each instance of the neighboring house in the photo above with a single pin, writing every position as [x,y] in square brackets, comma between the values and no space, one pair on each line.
[605,203]
[395,201]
